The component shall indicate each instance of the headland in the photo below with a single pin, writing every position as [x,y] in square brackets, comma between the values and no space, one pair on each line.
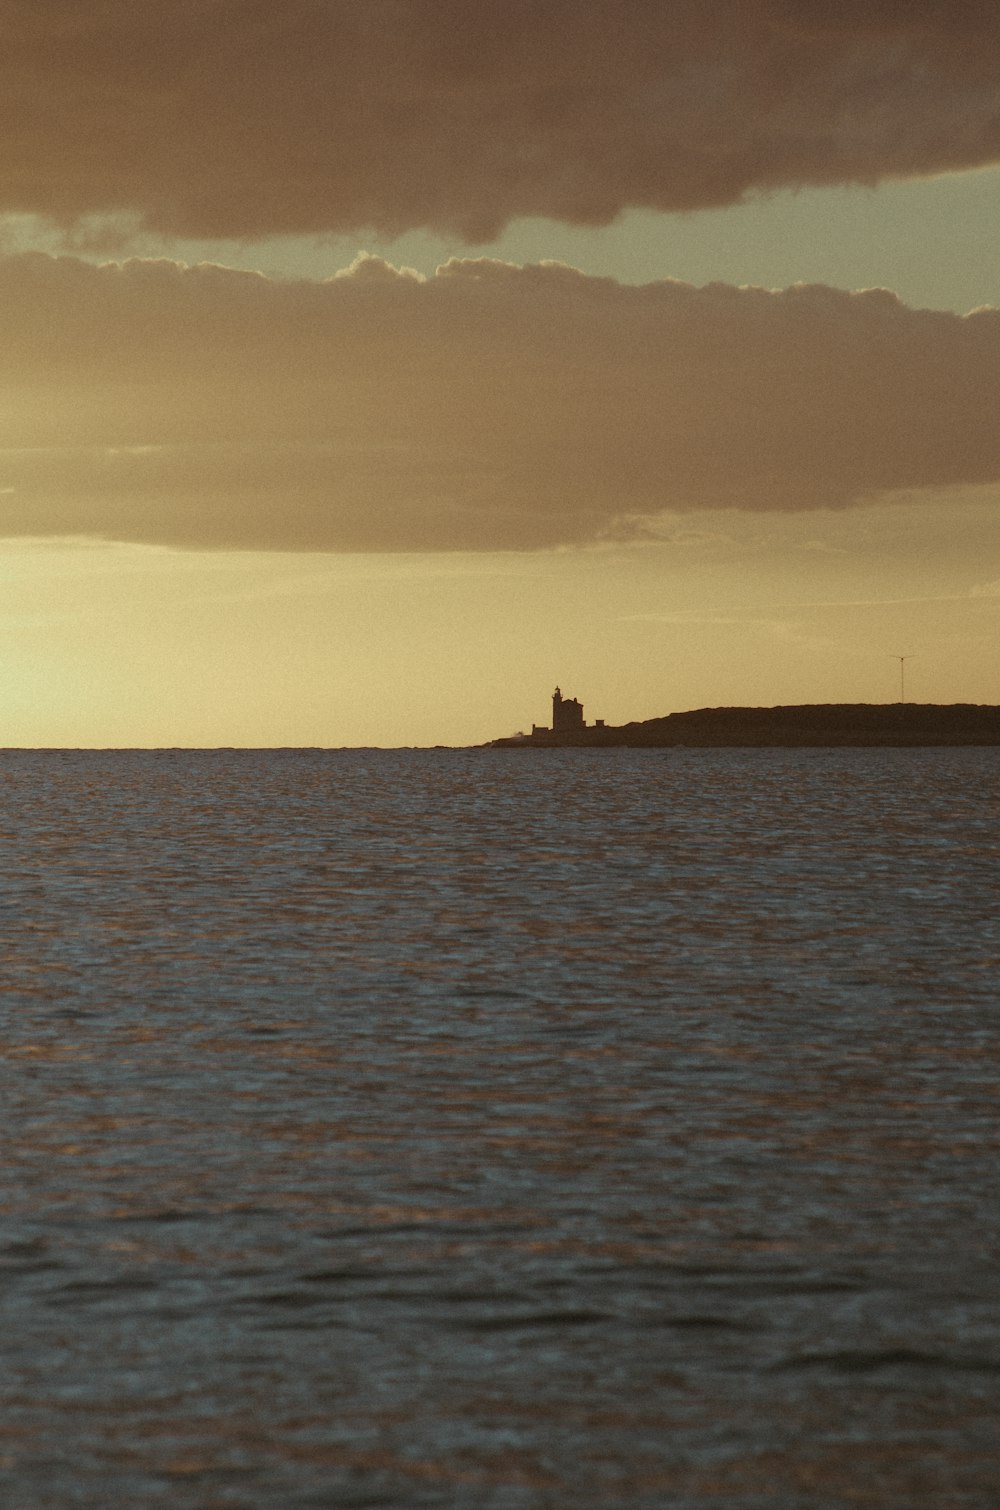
[807,725]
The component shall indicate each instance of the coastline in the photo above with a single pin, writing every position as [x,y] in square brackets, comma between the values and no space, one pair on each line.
[807,725]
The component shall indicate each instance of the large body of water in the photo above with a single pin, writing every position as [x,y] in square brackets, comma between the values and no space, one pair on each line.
[500,1131]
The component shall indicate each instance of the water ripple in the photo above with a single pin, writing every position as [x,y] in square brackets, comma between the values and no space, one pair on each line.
[498,1131]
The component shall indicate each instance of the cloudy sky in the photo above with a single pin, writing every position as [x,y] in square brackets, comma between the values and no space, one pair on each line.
[368,366]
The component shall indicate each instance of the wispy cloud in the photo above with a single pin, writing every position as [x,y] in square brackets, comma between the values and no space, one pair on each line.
[758,613]
[953,597]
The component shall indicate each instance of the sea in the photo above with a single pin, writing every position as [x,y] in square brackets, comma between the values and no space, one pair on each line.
[500,1130]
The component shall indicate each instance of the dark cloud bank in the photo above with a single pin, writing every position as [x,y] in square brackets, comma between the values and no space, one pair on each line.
[489,406]
[243,118]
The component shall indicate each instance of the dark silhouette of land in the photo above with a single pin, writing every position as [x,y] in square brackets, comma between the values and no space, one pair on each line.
[807,725]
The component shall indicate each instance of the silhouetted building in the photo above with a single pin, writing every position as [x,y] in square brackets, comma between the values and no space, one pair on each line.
[567,718]
[567,721]
[567,714]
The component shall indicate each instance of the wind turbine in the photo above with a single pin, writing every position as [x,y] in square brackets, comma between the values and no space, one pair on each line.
[902,659]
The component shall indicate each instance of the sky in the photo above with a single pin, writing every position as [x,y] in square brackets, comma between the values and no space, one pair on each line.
[370,367]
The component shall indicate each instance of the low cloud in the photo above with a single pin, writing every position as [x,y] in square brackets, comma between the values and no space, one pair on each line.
[234,118]
[488,407]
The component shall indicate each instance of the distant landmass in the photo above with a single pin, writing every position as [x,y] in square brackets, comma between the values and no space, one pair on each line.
[806,725]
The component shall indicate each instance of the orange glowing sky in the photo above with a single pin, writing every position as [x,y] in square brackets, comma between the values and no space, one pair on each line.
[368,368]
